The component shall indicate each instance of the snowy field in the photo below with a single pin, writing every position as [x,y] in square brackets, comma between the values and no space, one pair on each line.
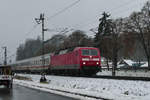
[135,73]
[104,88]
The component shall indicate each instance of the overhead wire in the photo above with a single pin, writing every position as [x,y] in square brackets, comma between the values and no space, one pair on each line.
[122,5]
[54,15]
[112,10]
[125,10]
[64,9]
[61,11]
[70,6]
[29,32]
[34,27]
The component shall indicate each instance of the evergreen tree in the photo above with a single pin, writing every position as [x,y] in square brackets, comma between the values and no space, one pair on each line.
[104,28]
[103,36]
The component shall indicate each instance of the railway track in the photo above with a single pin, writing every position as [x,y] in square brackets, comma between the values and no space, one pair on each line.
[115,77]
[123,78]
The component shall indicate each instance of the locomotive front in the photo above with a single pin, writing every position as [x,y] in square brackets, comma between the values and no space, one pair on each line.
[90,60]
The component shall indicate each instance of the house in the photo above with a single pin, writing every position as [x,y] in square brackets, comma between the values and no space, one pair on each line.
[145,64]
[125,63]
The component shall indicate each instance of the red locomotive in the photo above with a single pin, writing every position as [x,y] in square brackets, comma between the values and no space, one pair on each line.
[81,60]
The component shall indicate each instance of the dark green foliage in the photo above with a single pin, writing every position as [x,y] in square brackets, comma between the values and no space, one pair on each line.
[52,44]
[104,28]
[28,49]
[77,39]
[105,25]
[103,38]
[33,47]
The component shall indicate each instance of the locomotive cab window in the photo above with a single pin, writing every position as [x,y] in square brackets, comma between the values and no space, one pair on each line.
[92,52]
[85,52]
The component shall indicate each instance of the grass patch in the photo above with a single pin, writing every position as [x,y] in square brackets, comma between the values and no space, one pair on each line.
[22,78]
[44,82]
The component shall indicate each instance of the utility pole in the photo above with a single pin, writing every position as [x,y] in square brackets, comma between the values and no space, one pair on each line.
[41,21]
[5,55]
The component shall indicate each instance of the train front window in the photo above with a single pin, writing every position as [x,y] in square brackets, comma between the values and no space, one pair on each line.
[94,52]
[85,52]
[88,52]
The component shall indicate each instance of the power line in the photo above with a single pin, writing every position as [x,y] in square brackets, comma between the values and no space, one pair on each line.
[32,29]
[26,35]
[122,5]
[59,12]
[127,9]
[56,14]
[112,10]
[63,10]
[29,32]
[68,7]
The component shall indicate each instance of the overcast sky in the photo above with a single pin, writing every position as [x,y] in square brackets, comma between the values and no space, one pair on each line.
[17,17]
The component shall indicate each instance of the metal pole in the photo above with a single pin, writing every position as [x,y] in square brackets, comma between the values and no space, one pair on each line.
[41,21]
[43,60]
[5,55]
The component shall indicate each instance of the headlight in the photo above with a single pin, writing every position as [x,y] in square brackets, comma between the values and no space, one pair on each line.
[83,63]
[97,63]
[95,59]
[85,59]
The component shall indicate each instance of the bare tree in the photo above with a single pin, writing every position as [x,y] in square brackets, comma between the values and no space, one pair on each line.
[139,22]
[77,38]
[117,29]
[28,49]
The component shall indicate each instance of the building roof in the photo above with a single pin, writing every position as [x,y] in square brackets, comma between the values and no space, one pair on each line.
[145,65]
[129,62]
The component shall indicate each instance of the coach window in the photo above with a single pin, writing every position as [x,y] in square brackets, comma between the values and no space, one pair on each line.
[0,71]
[40,62]
[46,60]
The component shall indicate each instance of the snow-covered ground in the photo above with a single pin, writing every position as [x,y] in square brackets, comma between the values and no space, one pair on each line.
[135,73]
[104,88]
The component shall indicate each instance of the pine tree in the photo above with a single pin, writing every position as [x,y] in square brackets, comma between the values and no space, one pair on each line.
[102,37]
[104,28]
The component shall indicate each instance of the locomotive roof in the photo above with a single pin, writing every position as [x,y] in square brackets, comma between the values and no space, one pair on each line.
[77,48]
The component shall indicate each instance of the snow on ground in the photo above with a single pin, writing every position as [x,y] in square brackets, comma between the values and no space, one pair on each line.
[135,73]
[104,88]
